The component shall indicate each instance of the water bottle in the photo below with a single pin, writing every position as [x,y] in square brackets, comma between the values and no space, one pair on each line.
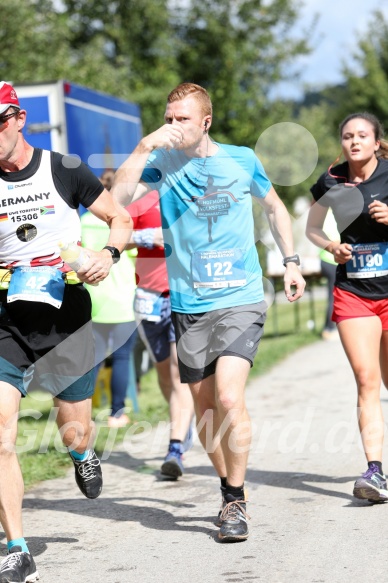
[74,255]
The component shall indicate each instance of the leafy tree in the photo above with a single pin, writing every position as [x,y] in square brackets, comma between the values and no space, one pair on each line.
[238,50]
[137,41]
[314,120]
[366,87]
[42,51]
[32,38]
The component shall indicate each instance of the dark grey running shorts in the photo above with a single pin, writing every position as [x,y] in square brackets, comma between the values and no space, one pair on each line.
[42,347]
[202,338]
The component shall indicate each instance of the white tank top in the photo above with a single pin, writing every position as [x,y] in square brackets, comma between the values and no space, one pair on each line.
[34,218]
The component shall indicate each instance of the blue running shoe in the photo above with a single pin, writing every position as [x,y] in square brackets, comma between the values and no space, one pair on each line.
[371,486]
[172,466]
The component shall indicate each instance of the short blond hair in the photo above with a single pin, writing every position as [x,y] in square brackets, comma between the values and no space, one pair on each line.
[191,89]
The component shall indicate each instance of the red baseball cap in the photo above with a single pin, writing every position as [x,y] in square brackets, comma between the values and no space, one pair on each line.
[8,97]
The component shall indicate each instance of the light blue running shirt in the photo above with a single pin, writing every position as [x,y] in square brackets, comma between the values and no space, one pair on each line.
[208,229]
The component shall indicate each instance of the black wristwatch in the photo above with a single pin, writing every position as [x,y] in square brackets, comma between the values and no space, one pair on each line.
[115,253]
[292,259]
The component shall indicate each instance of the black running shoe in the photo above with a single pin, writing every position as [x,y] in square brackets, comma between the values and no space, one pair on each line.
[234,526]
[18,567]
[218,520]
[371,486]
[88,475]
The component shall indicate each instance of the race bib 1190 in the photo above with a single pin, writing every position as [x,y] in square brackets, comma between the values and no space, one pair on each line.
[368,260]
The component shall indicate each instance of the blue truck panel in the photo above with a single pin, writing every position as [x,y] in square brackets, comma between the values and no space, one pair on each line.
[38,112]
[101,129]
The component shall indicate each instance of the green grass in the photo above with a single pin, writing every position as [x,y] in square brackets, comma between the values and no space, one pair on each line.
[286,330]
[41,456]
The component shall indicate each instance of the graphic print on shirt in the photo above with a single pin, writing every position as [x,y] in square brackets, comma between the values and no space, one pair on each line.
[211,205]
[26,232]
[214,255]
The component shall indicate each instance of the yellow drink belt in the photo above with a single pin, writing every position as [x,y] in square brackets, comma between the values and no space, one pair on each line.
[6,274]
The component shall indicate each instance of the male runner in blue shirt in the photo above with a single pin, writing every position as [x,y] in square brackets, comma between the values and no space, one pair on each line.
[215,278]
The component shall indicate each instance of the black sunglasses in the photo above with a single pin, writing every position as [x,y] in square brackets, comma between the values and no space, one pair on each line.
[5,118]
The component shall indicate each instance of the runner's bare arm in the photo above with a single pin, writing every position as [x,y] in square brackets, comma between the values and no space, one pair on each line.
[127,184]
[280,225]
[342,252]
[120,224]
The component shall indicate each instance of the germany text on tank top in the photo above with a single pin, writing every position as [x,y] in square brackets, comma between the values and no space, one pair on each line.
[34,218]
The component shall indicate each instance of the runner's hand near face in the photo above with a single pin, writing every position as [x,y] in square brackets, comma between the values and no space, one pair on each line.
[168,136]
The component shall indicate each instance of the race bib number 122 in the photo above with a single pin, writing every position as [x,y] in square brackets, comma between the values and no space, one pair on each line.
[218,269]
